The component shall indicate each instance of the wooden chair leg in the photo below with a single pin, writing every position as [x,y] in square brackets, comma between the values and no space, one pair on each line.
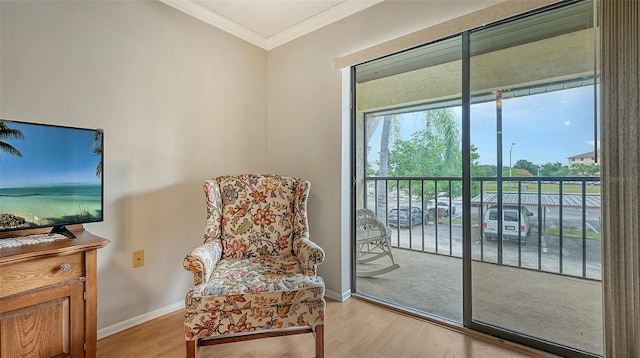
[192,349]
[319,341]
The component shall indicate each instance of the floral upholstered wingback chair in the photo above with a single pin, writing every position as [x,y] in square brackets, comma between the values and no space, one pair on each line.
[255,274]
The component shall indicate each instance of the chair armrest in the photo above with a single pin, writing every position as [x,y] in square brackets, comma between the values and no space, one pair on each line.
[309,254]
[202,260]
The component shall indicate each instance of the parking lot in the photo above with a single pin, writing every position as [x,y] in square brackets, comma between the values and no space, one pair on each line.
[545,251]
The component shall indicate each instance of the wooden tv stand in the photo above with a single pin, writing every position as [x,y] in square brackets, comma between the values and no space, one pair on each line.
[48,292]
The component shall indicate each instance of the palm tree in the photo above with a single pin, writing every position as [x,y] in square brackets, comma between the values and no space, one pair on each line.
[8,133]
[442,124]
[97,145]
[384,165]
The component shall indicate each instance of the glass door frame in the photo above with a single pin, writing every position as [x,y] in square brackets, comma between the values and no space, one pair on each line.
[467,279]
[467,320]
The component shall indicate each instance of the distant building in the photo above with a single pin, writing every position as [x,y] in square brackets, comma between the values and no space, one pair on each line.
[588,158]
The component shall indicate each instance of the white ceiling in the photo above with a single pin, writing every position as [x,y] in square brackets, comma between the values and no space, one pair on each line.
[270,23]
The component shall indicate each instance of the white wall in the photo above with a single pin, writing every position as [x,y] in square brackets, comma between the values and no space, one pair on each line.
[179,101]
[305,94]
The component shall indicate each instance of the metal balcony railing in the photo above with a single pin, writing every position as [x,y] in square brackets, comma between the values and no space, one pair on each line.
[557,230]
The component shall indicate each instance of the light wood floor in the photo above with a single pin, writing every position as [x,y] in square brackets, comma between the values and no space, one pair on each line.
[355,328]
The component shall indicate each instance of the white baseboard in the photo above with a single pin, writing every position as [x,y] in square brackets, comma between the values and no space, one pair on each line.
[338,297]
[134,321]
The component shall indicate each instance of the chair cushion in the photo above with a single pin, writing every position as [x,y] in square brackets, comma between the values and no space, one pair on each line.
[265,281]
[250,295]
[257,215]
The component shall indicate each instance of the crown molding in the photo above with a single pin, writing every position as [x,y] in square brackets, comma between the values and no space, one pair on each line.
[329,16]
[333,14]
[212,18]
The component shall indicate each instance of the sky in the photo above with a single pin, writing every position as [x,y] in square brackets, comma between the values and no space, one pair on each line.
[546,128]
[50,156]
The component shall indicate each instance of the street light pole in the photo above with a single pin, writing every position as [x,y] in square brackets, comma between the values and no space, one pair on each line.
[510,150]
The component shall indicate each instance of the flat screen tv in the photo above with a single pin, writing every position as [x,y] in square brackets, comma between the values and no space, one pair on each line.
[50,176]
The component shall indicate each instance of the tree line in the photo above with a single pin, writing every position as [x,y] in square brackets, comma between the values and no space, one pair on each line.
[435,151]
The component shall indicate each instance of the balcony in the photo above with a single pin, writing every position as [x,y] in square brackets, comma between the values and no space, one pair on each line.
[521,285]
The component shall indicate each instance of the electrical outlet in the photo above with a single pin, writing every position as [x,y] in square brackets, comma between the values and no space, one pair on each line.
[138,258]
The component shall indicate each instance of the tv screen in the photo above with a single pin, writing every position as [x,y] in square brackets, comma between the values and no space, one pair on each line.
[50,176]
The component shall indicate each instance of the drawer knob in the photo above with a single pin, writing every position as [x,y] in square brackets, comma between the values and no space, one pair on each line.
[65,267]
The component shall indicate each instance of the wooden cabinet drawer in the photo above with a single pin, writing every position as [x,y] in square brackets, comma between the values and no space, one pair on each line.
[27,275]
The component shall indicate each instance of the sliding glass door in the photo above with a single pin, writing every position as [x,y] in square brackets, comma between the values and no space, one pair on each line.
[408,145]
[478,157]
[535,178]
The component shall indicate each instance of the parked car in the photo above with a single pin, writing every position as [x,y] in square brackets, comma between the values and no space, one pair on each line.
[510,217]
[417,217]
[443,207]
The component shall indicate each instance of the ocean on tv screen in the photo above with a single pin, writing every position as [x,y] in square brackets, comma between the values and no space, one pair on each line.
[49,206]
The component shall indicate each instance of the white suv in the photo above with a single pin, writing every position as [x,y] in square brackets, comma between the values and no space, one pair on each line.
[510,229]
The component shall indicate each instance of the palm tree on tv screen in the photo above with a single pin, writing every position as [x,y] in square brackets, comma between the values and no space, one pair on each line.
[97,150]
[8,133]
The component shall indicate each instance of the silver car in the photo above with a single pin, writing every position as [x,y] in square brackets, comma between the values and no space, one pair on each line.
[417,217]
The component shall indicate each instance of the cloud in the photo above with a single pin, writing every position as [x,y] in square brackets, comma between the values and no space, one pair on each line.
[567,122]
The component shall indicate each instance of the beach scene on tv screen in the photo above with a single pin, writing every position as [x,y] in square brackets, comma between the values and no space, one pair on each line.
[49,175]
